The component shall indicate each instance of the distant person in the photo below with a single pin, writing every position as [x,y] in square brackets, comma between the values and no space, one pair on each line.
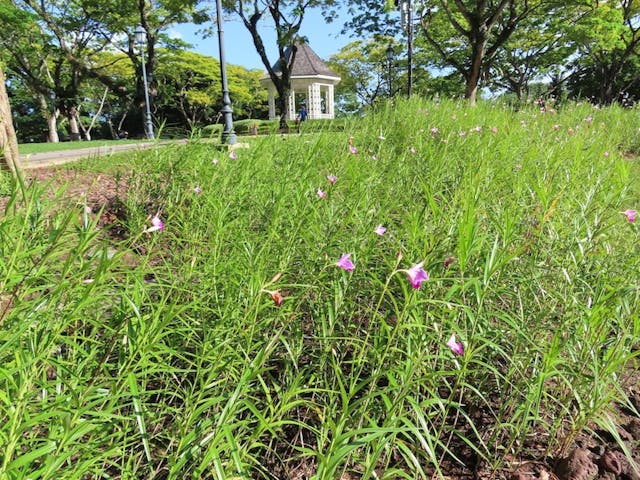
[303,113]
[301,117]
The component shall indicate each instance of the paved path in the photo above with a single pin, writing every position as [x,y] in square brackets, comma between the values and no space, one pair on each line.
[48,159]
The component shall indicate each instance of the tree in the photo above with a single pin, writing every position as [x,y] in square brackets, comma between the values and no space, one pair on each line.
[608,37]
[189,88]
[286,16]
[8,144]
[467,35]
[537,48]
[365,77]
[462,34]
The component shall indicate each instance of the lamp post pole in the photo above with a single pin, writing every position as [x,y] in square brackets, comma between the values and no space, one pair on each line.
[140,40]
[390,54]
[228,135]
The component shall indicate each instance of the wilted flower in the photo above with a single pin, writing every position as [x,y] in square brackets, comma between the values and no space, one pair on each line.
[556,127]
[448,261]
[276,296]
[332,179]
[345,262]
[630,214]
[494,129]
[380,230]
[321,193]
[156,224]
[455,346]
[417,275]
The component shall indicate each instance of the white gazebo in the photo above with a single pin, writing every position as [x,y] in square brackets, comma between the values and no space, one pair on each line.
[312,84]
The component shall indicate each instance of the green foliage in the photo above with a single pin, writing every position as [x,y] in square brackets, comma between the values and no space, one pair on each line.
[134,354]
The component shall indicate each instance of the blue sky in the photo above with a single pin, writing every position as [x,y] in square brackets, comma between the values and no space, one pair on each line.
[324,39]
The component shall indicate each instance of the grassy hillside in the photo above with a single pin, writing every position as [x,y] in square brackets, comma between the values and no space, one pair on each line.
[235,340]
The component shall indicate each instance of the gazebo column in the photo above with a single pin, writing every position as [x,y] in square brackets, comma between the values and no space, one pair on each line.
[314,101]
[330,99]
[272,104]
[292,105]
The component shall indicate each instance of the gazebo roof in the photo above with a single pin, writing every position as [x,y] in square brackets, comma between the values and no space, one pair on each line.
[306,64]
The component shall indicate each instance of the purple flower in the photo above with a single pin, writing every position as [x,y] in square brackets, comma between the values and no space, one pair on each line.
[455,346]
[345,262]
[233,155]
[630,214]
[156,224]
[332,179]
[353,149]
[417,275]
[380,230]
[197,190]
[435,130]
[321,193]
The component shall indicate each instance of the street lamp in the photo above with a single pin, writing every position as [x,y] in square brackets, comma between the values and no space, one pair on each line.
[228,135]
[140,40]
[390,55]
[406,16]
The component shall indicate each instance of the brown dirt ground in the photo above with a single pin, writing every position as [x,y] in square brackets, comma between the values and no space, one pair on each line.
[589,457]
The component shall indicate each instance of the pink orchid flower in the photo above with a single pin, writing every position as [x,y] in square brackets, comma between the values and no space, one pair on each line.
[345,262]
[380,230]
[156,224]
[455,346]
[630,214]
[321,193]
[417,275]
[332,179]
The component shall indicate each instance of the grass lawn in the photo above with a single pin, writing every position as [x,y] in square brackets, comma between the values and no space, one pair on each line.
[30,148]
[435,291]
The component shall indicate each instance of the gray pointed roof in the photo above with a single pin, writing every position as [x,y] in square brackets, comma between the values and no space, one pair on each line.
[307,63]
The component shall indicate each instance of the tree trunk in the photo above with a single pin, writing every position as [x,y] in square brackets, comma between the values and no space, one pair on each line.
[8,142]
[51,118]
[283,104]
[474,72]
[52,123]
[74,130]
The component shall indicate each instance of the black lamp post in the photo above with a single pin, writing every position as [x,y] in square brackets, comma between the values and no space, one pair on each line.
[228,135]
[390,55]
[140,40]
[406,15]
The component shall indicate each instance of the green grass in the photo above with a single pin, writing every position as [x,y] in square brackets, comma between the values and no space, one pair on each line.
[136,354]
[31,148]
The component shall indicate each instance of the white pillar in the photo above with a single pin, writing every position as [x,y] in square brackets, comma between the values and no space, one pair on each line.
[292,105]
[330,100]
[272,104]
[314,101]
